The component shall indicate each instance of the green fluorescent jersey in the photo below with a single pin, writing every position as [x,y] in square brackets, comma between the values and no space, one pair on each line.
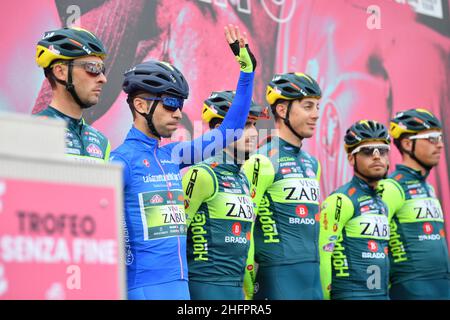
[285,187]
[83,142]
[354,234]
[220,217]
[417,244]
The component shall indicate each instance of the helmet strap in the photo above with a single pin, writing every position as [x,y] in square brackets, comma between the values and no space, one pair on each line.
[149,117]
[70,87]
[288,123]
[413,156]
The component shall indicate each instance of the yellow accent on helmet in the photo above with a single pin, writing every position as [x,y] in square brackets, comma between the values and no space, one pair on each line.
[208,114]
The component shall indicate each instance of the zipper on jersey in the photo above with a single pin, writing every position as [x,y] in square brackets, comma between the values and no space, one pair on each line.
[168,190]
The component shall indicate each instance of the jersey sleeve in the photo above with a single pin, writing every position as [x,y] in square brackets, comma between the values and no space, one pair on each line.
[336,210]
[260,174]
[107,152]
[199,185]
[126,168]
[250,271]
[392,194]
[231,129]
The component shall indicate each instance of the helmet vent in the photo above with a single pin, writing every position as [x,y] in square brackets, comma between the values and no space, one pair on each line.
[290,90]
[68,46]
[164,77]
[281,81]
[55,38]
[96,48]
[217,99]
[141,72]
[152,83]
[310,91]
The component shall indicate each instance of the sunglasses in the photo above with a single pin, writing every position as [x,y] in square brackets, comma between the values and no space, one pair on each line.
[432,137]
[94,68]
[169,103]
[372,150]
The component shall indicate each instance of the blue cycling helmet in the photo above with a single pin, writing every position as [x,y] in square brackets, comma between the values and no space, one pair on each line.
[156,77]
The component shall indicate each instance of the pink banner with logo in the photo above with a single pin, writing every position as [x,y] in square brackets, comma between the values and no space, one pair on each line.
[57,241]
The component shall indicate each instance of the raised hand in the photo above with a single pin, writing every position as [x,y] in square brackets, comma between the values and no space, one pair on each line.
[239,45]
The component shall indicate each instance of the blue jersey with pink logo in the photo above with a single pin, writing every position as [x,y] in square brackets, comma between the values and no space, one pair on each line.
[155,221]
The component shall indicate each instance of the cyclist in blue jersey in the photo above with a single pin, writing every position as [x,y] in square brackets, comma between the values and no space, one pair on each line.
[155,222]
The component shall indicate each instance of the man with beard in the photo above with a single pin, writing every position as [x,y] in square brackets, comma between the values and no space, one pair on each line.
[220,209]
[354,229]
[153,195]
[72,59]
[420,267]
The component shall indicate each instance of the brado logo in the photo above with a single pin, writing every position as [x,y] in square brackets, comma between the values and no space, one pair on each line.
[236,229]
[427,228]
[301,211]
[372,245]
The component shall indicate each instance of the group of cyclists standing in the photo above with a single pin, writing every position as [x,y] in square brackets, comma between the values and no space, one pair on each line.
[247,222]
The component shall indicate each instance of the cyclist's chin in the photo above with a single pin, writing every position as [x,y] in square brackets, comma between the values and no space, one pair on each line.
[377,174]
[307,133]
[93,100]
[167,133]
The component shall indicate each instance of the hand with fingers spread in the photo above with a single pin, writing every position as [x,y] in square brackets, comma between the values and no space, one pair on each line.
[239,45]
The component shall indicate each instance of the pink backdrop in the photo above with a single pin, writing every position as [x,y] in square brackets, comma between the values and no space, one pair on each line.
[52,247]
[364,73]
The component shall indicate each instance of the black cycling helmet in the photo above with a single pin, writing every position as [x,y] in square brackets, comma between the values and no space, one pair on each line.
[218,103]
[156,77]
[363,131]
[67,44]
[292,86]
[413,121]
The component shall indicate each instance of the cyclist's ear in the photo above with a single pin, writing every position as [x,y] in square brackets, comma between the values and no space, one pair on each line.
[281,109]
[351,159]
[406,144]
[59,72]
[140,105]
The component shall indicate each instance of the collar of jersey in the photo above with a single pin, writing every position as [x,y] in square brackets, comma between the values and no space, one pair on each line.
[287,147]
[225,162]
[72,122]
[363,184]
[416,173]
[138,135]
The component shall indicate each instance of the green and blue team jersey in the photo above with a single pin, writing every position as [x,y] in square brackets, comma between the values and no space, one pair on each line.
[417,243]
[354,234]
[285,187]
[83,142]
[220,217]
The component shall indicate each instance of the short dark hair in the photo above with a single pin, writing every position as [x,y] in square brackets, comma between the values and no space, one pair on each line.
[130,100]
[273,108]
[214,121]
[48,73]
[398,141]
